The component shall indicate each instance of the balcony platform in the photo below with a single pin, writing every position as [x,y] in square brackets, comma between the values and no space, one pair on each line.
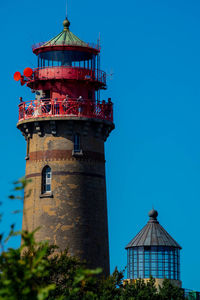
[60,109]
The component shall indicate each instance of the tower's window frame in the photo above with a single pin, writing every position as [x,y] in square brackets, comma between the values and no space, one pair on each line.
[27,148]
[77,145]
[46,180]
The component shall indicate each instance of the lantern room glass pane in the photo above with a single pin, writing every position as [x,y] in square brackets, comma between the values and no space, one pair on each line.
[69,58]
[159,262]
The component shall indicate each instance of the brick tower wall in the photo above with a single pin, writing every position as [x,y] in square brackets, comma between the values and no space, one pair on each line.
[74,216]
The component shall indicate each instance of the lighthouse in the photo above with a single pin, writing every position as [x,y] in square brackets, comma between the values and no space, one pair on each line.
[65,127]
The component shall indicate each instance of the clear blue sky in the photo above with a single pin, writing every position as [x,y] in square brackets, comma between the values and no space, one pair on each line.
[153,156]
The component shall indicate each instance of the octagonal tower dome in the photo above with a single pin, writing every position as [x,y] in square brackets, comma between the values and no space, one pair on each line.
[65,39]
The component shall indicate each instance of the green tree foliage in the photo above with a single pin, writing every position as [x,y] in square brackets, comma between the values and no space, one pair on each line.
[169,291]
[141,290]
[39,271]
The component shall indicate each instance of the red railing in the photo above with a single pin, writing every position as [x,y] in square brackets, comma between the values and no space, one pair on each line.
[49,44]
[66,107]
[65,72]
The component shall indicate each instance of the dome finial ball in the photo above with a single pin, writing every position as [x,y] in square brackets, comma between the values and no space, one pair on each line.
[66,23]
[153,213]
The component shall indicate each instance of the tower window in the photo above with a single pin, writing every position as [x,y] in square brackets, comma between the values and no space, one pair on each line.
[77,144]
[27,148]
[46,180]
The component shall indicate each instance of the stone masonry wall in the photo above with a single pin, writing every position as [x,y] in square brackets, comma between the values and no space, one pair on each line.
[74,216]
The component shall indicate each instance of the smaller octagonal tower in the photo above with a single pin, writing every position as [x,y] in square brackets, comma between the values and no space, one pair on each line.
[153,252]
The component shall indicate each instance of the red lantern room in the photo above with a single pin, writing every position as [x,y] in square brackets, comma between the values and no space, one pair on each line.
[67,80]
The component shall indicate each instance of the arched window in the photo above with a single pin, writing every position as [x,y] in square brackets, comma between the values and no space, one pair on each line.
[46,180]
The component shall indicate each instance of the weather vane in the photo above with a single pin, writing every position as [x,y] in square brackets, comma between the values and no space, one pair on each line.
[66,8]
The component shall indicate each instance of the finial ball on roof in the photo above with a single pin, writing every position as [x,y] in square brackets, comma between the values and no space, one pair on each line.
[153,214]
[66,23]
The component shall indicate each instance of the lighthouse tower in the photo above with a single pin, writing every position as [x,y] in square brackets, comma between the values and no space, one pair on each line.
[65,128]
